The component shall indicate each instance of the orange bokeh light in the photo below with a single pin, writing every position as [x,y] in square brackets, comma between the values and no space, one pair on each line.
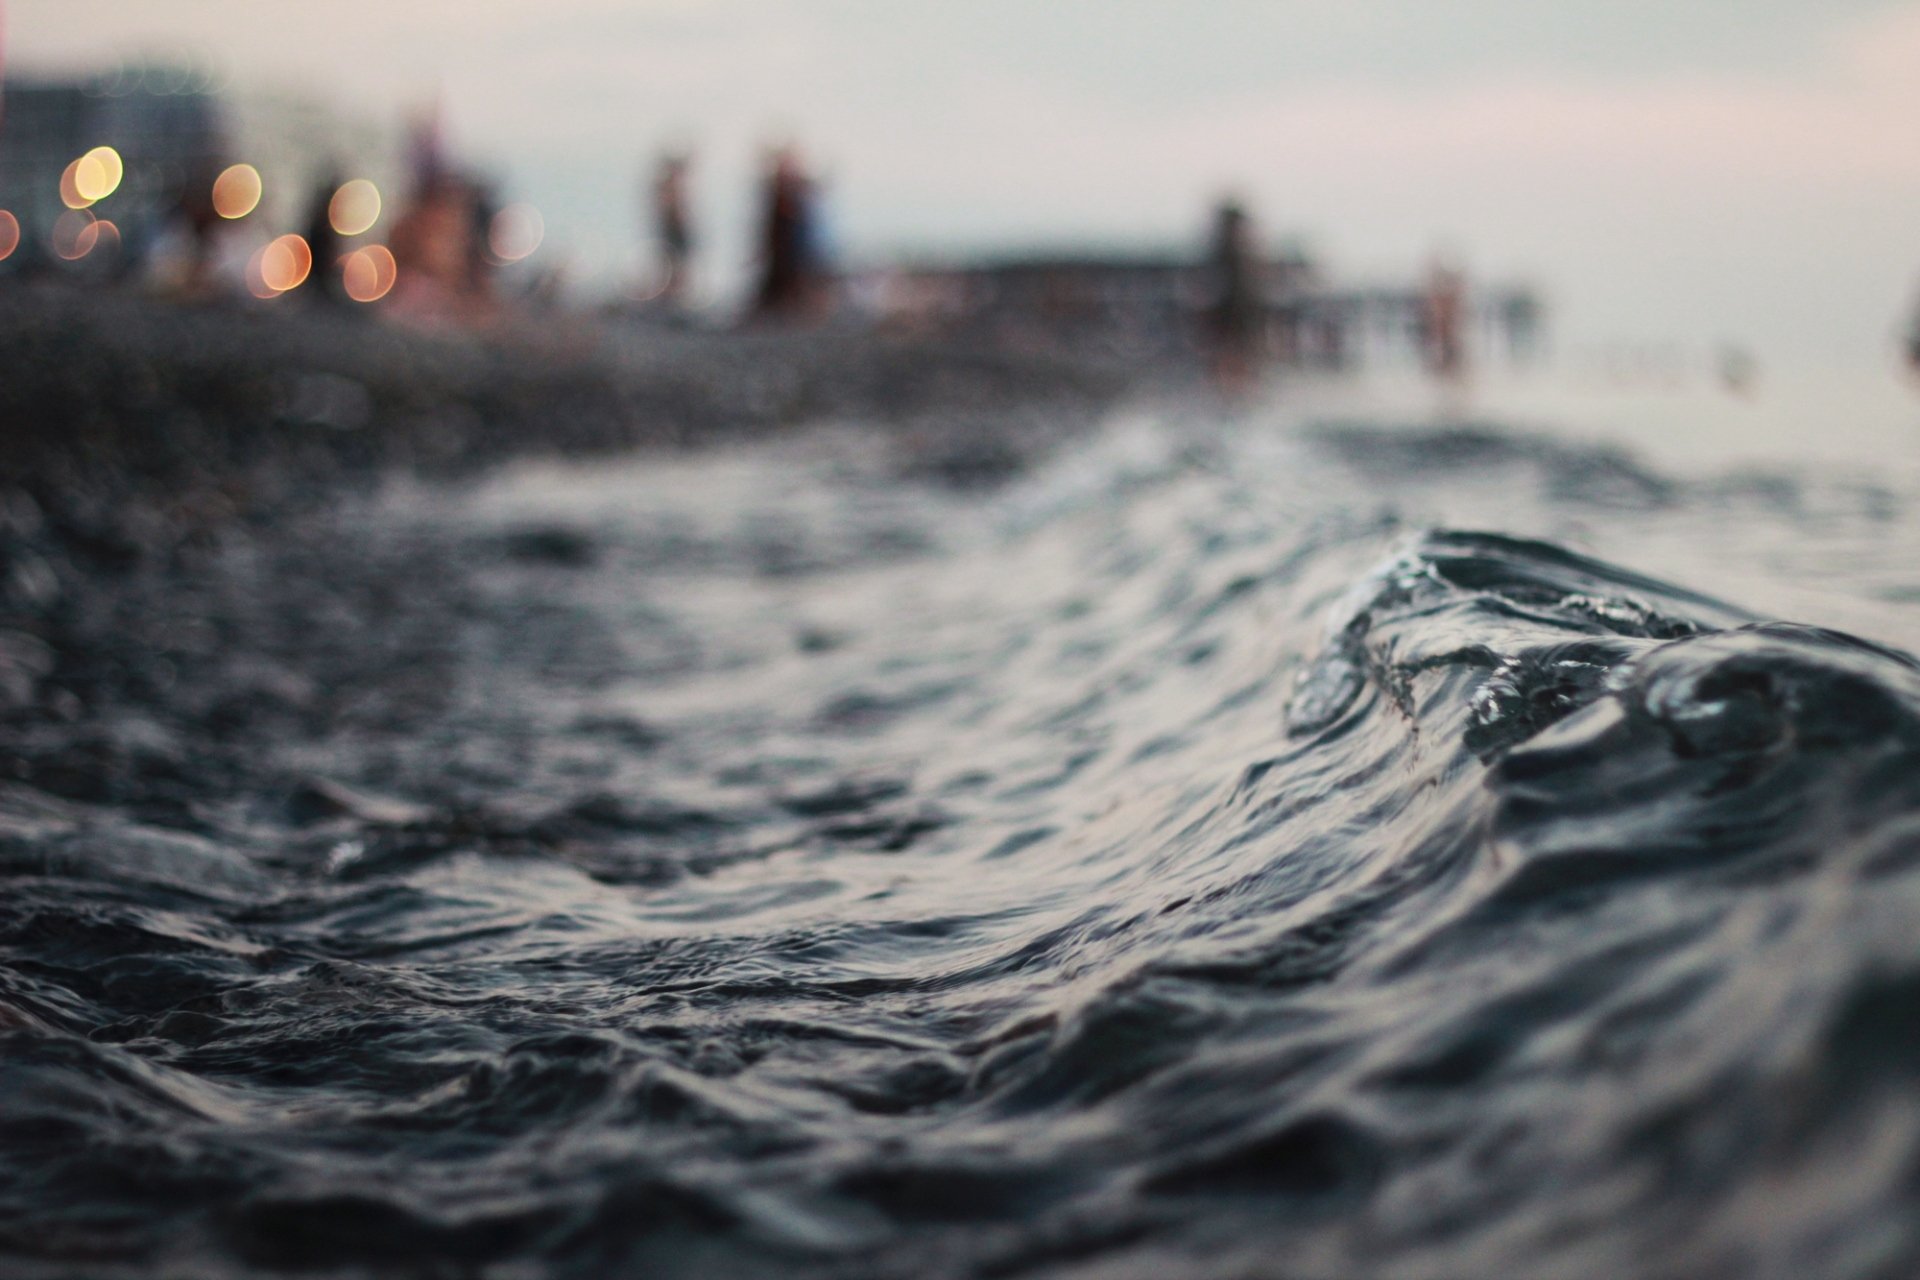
[285,263]
[236,192]
[355,207]
[256,282]
[369,273]
[516,232]
[9,234]
[70,194]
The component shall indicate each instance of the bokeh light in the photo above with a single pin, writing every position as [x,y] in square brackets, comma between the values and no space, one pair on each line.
[70,194]
[369,273]
[285,263]
[97,174]
[516,232]
[74,234]
[355,207]
[9,234]
[256,278]
[236,192]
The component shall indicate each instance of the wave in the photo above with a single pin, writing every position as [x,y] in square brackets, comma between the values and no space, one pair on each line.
[1180,885]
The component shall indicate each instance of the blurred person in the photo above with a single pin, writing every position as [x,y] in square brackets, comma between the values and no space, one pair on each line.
[439,240]
[193,207]
[1443,321]
[434,244]
[1235,317]
[673,227]
[788,286]
[329,284]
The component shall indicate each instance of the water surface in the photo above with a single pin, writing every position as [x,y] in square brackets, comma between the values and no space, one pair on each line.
[1252,848]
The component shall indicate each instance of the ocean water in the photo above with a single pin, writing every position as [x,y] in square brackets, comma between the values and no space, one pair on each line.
[1254,844]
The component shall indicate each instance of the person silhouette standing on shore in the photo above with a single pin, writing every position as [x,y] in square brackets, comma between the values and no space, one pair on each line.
[1236,316]
[787,286]
[673,227]
[325,241]
[1444,322]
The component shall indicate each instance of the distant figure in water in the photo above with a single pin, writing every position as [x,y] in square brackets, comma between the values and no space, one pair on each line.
[1235,317]
[673,227]
[789,288]
[1443,322]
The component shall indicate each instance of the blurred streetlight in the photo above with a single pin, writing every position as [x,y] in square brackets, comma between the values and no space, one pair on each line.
[236,192]
[369,273]
[355,207]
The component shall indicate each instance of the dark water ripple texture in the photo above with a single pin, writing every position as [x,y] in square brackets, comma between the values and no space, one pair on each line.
[1210,856]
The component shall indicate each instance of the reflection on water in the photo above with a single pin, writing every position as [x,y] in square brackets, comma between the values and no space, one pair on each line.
[1203,853]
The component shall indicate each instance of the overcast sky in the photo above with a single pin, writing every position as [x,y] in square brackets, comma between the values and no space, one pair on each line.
[1685,170]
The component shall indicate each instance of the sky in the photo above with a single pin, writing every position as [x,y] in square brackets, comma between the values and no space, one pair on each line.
[1697,173]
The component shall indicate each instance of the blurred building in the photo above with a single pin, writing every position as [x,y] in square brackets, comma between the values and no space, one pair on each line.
[172,125]
[1147,305]
[164,122]
[1136,303]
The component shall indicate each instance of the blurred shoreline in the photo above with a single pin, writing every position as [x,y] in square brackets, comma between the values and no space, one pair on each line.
[139,421]
[145,435]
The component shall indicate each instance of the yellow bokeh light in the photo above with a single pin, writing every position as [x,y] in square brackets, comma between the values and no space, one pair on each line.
[70,194]
[285,263]
[74,234]
[97,174]
[355,207]
[9,234]
[369,273]
[236,192]
[516,232]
